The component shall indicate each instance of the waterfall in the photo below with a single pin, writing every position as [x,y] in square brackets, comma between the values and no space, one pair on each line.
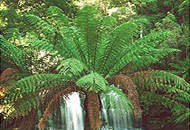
[69,116]
[74,115]
[114,116]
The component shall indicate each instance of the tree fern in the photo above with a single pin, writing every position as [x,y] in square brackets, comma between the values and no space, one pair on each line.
[91,52]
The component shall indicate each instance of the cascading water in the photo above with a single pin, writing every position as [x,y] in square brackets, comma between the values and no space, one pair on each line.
[115,118]
[74,115]
[70,115]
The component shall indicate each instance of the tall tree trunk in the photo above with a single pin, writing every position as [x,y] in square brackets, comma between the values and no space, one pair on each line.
[92,107]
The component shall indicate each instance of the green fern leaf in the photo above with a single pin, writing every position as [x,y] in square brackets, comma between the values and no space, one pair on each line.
[15,54]
[146,59]
[56,15]
[120,38]
[40,25]
[117,99]
[134,51]
[74,43]
[71,67]
[146,78]
[88,24]
[92,82]
[44,46]
[32,83]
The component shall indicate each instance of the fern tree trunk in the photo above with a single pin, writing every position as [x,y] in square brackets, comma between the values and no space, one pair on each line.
[92,107]
[128,87]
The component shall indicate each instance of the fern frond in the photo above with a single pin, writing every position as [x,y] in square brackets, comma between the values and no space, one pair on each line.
[12,33]
[92,82]
[180,112]
[88,24]
[15,54]
[117,99]
[44,46]
[35,100]
[119,39]
[147,78]
[163,81]
[23,106]
[182,117]
[71,67]
[182,68]
[152,57]
[56,16]
[105,26]
[108,23]
[128,87]
[32,83]
[134,51]
[40,25]
[74,43]
[54,103]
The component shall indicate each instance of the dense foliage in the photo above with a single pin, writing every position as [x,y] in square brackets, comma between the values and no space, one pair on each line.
[140,53]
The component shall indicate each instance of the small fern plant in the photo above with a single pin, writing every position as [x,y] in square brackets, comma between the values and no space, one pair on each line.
[98,56]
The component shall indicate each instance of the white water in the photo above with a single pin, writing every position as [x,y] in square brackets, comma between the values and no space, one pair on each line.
[71,115]
[74,115]
[115,118]
[72,118]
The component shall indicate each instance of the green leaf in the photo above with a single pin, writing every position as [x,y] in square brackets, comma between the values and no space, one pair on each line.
[71,67]
[117,98]
[15,54]
[57,16]
[92,82]
[33,83]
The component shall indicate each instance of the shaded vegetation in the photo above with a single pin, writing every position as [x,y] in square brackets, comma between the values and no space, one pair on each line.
[59,47]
